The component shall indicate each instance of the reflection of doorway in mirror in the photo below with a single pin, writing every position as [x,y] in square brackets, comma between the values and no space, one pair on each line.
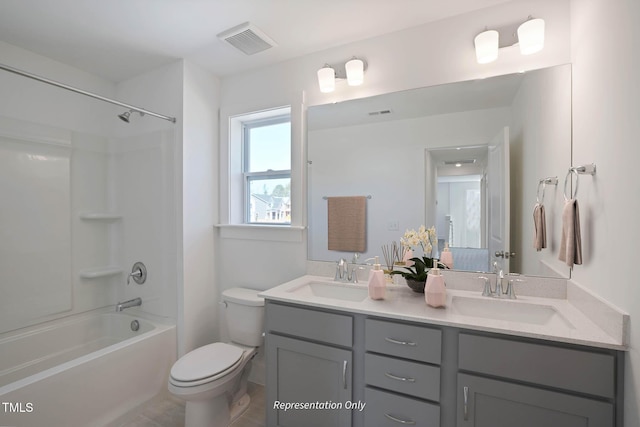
[459,212]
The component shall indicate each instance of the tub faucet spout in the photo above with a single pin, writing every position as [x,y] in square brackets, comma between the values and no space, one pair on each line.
[126,304]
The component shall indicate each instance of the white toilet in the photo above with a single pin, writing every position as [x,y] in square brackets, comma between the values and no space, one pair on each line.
[213,379]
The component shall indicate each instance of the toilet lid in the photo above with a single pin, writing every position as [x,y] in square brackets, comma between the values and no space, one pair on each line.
[206,361]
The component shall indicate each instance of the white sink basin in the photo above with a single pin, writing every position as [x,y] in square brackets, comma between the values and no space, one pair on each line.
[509,310]
[337,291]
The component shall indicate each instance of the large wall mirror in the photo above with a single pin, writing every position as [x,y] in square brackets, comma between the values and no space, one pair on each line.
[466,157]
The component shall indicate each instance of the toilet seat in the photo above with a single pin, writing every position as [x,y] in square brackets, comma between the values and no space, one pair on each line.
[206,364]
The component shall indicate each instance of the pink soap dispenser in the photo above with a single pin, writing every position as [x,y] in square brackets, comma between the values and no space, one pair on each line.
[377,284]
[446,257]
[435,293]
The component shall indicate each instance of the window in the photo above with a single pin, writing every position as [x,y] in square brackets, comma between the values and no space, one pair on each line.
[266,159]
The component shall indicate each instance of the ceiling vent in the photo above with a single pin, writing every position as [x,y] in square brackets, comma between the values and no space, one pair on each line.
[378,113]
[247,38]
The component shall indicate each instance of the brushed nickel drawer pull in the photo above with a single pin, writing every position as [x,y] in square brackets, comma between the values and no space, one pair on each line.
[465,392]
[398,420]
[391,340]
[344,374]
[394,377]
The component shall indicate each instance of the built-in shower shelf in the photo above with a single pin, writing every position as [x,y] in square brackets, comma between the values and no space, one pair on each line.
[100,216]
[100,272]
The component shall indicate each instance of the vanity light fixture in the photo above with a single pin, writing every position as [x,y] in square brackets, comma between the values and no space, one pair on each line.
[353,73]
[327,79]
[529,37]
[486,46]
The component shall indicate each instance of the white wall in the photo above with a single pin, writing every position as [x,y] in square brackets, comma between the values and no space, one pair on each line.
[540,144]
[606,66]
[435,53]
[199,208]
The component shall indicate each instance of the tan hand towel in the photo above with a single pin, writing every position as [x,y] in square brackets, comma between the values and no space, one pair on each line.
[571,242]
[539,227]
[347,223]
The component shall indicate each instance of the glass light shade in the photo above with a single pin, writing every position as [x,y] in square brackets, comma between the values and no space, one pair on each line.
[355,72]
[531,36]
[327,79]
[486,46]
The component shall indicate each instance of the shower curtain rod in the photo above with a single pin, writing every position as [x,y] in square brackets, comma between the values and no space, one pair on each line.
[84,92]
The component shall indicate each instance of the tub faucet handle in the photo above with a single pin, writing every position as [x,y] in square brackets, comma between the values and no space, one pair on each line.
[138,272]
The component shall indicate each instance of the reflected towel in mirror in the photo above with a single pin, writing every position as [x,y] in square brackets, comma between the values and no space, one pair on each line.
[347,223]
[539,227]
[571,242]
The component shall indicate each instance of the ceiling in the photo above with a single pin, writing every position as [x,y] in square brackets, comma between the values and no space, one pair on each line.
[120,39]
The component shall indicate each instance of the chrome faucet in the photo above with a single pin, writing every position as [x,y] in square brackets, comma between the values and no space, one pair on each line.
[499,279]
[341,269]
[510,293]
[131,303]
[347,271]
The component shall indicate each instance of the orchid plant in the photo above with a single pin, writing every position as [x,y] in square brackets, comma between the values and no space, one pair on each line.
[423,238]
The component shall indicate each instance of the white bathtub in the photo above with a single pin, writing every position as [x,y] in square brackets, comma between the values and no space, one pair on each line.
[84,370]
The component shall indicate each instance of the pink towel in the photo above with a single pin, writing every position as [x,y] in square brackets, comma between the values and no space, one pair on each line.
[347,224]
[571,242]
[539,227]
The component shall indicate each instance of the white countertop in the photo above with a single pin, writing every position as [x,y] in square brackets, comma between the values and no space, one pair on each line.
[403,304]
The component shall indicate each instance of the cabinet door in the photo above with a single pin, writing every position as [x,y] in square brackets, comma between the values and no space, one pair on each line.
[304,373]
[490,403]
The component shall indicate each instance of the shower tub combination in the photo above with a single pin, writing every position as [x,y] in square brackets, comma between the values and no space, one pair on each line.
[89,369]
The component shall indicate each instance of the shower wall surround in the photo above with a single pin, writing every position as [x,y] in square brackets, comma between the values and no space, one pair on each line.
[35,233]
[84,196]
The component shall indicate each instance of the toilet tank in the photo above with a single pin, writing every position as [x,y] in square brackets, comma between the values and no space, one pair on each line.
[244,312]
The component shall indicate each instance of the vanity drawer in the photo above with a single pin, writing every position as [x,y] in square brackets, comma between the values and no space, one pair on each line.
[387,409]
[566,368]
[397,339]
[413,378]
[311,324]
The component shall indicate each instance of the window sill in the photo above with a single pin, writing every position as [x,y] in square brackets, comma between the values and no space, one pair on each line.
[275,233]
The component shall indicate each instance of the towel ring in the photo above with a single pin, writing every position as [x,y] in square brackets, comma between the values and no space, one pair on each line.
[552,180]
[544,186]
[567,179]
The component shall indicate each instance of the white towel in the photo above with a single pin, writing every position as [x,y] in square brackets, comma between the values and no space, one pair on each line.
[539,227]
[571,242]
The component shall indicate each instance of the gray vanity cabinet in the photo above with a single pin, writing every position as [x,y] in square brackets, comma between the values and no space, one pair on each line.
[495,403]
[508,382]
[402,374]
[308,362]
[410,373]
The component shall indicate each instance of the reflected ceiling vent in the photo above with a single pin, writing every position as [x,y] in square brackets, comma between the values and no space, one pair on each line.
[247,38]
[379,113]
[459,162]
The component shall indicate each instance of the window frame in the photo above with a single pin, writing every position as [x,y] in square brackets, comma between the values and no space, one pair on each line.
[247,176]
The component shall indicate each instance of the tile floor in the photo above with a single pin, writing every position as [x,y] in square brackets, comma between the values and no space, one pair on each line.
[170,412]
